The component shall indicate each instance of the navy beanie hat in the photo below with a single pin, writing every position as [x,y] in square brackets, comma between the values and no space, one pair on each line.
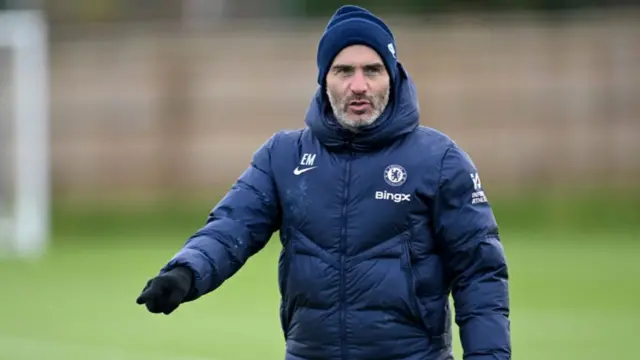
[351,25]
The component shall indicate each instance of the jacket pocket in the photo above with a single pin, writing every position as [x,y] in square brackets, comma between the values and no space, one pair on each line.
[419,313]
[441,329]
[284,270]
[438,316]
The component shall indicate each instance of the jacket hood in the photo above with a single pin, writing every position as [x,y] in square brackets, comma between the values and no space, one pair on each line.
[401,116]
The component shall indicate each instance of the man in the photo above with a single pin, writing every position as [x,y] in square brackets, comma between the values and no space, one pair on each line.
[380,220]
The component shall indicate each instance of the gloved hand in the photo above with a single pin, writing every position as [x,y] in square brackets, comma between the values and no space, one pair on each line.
[165,292]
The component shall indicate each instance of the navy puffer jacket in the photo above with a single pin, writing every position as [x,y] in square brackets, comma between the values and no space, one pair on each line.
[377,230]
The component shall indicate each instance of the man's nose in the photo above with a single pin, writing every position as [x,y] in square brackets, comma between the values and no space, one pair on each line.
[359,83]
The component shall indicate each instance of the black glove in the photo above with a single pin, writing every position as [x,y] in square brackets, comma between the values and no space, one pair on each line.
[165,292]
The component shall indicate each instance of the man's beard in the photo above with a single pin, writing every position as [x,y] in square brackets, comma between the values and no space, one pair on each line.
[341,106]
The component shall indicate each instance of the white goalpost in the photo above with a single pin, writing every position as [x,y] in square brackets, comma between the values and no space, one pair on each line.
[24,134]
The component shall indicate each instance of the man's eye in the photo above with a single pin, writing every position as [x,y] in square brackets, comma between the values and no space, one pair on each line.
[372,70]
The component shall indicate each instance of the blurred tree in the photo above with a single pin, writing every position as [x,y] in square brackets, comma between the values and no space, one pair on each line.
[327,7]
[20,4]
[127,10]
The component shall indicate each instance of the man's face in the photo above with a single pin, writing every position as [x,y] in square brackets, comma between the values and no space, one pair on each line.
[358,86]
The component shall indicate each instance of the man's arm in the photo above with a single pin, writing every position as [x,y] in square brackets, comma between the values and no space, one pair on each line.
[474,258]
[239,226]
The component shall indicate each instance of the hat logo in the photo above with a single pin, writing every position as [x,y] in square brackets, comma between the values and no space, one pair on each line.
[392,49]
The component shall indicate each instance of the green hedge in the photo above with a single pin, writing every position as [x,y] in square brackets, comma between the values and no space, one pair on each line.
[535,211]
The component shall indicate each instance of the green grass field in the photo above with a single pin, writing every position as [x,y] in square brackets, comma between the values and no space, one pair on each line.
[574,296]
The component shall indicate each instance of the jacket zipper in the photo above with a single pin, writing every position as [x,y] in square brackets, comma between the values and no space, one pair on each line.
[343,250]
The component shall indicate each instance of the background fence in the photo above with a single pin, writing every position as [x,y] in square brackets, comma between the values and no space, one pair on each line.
[154,105]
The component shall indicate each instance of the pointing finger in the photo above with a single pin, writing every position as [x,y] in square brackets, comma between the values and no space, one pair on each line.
[148,293]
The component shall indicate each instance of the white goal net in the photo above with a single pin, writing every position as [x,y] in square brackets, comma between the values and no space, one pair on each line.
[24,134]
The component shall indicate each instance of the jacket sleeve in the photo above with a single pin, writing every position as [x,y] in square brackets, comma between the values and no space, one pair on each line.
[238,227]
[474,259]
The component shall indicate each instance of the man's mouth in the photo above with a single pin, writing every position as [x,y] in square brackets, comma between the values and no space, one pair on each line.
[359,105]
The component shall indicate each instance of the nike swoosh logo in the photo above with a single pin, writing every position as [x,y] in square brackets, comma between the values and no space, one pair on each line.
[297,171]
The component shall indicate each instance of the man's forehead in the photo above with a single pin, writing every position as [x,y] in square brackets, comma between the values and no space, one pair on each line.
[357,55]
